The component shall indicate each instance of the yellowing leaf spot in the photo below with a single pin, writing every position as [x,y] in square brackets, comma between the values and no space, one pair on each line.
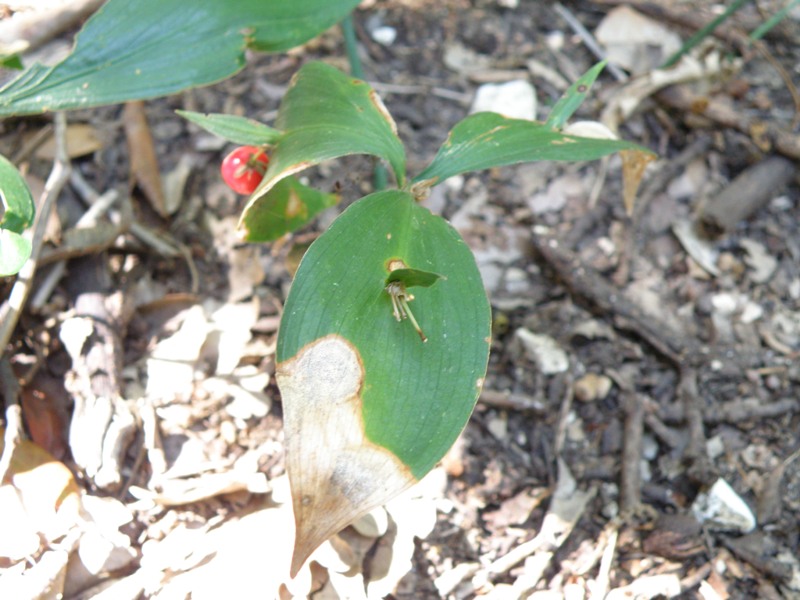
[378,103]
[395,263]
[295,207]
[336,473]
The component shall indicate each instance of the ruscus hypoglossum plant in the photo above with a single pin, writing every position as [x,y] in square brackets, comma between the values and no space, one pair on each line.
[385,334]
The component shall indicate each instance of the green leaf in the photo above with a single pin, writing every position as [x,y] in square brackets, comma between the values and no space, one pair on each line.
[288,206]
[573,97]
[326,114]
[148,48]
[17,215]
[368,407]
[239,130]
[15,198]
[486,140]
[413,277]
[11,61]
[14,251]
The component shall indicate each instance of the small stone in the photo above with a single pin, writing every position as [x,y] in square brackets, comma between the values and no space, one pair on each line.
[515,99]
[544,351]
[722,509]
[385,35]
[715,447]
[592,387]
[498,427]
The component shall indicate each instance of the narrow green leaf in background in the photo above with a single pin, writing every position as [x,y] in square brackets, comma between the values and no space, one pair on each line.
[573,97]
[17,214]
[368,407]
[239,130]
[326,114]
[288,206]
[486,140]
[149,48]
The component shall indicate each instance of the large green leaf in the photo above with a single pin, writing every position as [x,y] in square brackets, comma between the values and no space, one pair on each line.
[288,206]
[486,140]
[148,48]
[326,114]
[368,407]
[17,214]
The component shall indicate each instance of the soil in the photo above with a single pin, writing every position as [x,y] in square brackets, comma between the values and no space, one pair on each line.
[669,376]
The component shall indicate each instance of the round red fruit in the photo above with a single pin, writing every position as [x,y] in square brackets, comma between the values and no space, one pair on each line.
[244,168]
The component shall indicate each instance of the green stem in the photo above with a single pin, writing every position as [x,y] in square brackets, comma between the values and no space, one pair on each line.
[351,47]
[762,29]
[703,33]
[379,176]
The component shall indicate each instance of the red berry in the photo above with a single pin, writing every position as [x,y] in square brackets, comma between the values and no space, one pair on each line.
[244,168]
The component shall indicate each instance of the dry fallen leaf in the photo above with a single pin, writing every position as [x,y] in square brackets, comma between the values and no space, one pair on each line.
[634,163]
[40,498]
[144,162]
[82,139]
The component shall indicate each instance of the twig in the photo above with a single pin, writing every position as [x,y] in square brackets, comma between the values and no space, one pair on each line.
[766,135]
[12,308]
[14,430]
[666,434]
[601,582]
[563,419]
[630,477]
[146,236]
[700,467]
[588,39]
[751,189]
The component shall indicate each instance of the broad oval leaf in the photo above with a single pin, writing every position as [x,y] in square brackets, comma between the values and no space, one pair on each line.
[15,198]
[239,130]
[486,140]
[286,207]
[17,214]
[326,114]
[14,251]
[368,407]
[148,48]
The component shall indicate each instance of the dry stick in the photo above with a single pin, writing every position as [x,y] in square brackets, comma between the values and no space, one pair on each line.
[626,315]
[631,473]
[588,39]
[751,189]
[766,135]
[145,235]
[12,308]
[603,578]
